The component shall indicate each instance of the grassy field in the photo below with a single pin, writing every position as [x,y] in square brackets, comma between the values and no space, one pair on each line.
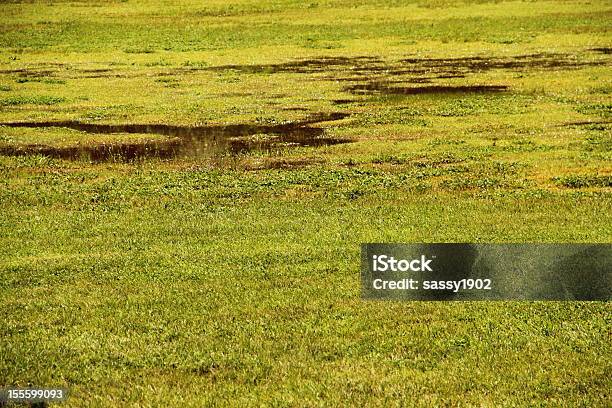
[165,266]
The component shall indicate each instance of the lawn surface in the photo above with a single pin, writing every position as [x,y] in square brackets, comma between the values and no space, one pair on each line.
[139,273]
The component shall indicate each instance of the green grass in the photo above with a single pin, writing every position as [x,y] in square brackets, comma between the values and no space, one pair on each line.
[31,100]
[234,279]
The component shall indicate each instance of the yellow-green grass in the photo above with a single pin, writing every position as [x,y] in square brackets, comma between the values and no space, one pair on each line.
[234,279]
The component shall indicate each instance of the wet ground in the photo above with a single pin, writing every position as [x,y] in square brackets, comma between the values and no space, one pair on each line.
[385,88]
[354,68]
[440,67]
[183,141]
[359,76]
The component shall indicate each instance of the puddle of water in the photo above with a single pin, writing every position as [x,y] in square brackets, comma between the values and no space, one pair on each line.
[603,50]
[355,69]
[98,153]
[345,101]
[588,123]
[446,67]
[383,88]
[295,109]
[308,66]
[372,75]
[483,64]
[28,73]
[184,141]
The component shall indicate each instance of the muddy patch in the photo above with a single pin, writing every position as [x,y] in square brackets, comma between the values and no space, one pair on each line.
[184,141]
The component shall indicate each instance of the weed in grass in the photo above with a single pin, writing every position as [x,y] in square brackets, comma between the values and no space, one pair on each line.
[603,110]
[31,100]
[583,181]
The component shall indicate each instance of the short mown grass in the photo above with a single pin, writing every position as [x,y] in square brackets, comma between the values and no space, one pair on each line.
[233,279]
